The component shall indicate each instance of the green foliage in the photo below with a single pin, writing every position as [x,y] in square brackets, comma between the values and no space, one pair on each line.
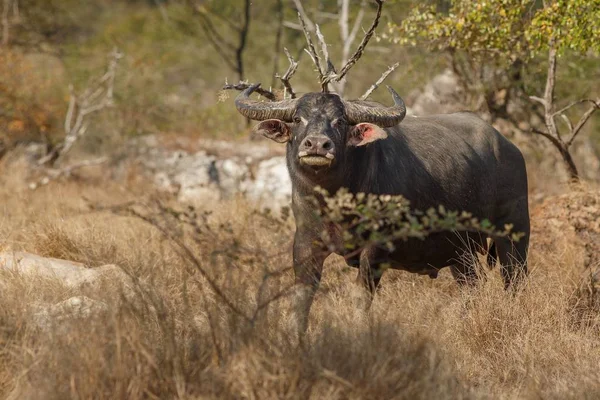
[575,23]
[379,220]
[508,29]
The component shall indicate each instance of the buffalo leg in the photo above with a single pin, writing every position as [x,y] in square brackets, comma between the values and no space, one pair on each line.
[369,274]
[513,259]
[465,270]
[513,254]
[465,274]
[308,266]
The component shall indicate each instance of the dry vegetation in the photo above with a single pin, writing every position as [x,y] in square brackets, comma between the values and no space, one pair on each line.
[178,338]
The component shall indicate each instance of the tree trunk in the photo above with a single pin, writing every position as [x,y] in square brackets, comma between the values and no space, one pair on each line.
[570,164]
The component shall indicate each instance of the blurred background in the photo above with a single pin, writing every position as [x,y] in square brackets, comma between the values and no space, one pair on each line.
[176,55]
[117,140]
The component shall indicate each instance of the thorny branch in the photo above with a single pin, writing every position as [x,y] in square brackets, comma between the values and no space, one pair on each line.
[161,217]
[325,68]
[379,81]
[363,44]
[245,85]
[312,52]
[285,79]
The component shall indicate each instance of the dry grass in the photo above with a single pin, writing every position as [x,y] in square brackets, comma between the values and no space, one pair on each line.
[423,339]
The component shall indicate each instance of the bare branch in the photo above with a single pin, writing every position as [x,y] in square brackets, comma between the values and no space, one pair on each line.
[69,116]
[245,85]
[278,39]
[548,136]
[304,17]
[582,121]
[292,25]
[379,81]
[349,40]
[549,92]
[243,39]
[359,51]
[539,100]
[330,71]
[285,79]
[227,21]
[574,103]
[212,33]
[98,96]
[567,122]
[312,52]
[231,53]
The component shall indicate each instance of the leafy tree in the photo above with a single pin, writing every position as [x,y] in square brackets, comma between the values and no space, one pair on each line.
[492,43]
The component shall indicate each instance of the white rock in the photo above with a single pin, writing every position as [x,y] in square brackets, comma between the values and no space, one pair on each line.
[271,186]
[47,316]
[203,180]
[71,274]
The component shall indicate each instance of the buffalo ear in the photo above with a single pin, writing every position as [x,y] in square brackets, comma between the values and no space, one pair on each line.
[365,133]
[274,129]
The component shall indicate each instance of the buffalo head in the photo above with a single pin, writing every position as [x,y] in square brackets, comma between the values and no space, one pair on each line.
[319,126]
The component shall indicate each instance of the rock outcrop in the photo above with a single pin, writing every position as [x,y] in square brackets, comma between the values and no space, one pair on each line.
[220,170]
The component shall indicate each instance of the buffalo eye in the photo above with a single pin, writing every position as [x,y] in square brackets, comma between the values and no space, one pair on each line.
[297,120]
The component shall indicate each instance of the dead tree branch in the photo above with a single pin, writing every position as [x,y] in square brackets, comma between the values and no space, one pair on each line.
[312,52]
[552,133]
[231,53]
[98,96]
[278,40]
[245,85]
[325,67]
[363,44]
[379,81]
[300,10]
[285,79]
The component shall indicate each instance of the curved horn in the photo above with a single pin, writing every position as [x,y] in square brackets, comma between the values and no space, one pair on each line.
[262,110]
[384,117]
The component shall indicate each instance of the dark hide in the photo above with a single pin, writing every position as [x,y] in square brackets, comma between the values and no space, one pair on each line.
[455,160]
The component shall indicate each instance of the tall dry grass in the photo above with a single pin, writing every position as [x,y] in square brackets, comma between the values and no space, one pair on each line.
[177,338]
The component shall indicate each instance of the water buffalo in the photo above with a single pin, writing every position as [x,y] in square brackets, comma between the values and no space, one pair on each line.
[455,160]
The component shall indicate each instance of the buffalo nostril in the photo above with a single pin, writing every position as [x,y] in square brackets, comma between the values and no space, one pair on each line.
[327,145]
[307,144]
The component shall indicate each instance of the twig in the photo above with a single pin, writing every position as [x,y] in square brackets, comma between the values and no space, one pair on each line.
[245,85]
[349,39]
[379,81]
[231,53]
[363,44]
[347,36]
[300,10]
[582,121]
[278,39]
[330,71]
[98,96]
[574,103]
[285,79]
[313,53]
